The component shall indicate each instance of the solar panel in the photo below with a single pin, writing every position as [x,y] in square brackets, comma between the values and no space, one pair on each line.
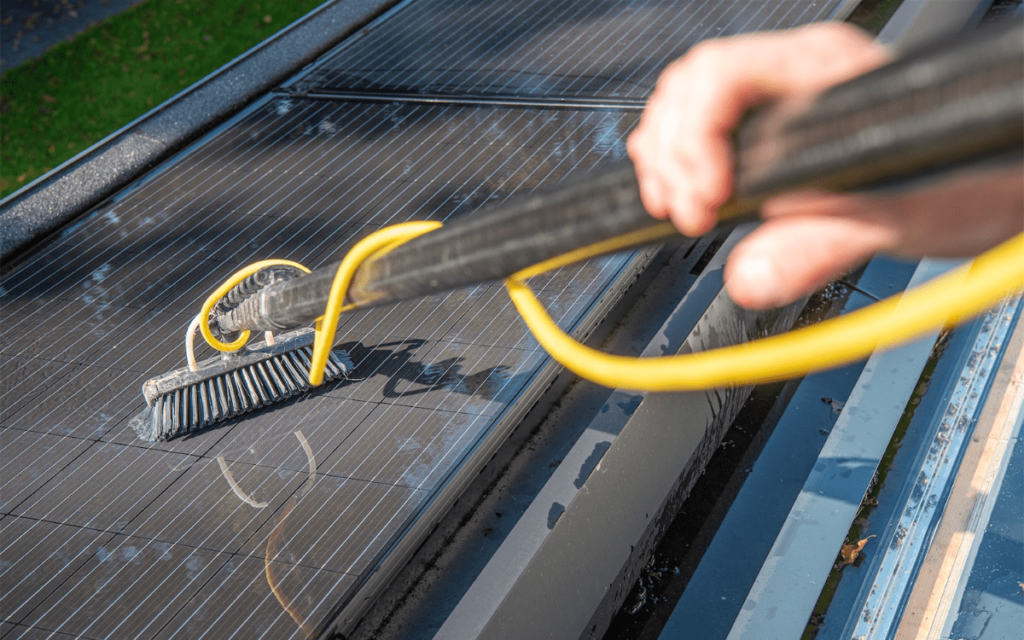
[600,49]
[301,180]
[265,526]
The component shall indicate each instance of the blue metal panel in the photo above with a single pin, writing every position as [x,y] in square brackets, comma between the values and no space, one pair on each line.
[783,596]
[992,607]
[717,589]
[905,540]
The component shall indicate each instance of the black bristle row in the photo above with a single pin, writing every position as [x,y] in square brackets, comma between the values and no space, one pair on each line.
[233,393]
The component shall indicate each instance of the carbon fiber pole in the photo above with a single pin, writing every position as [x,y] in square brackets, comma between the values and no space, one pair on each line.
[942,106]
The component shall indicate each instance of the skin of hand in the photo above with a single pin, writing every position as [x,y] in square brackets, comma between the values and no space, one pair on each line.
[684,163]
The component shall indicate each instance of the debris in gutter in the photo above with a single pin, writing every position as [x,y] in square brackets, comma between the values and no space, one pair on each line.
[849,552]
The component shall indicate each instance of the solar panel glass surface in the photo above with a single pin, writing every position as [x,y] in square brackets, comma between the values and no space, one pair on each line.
[262,527]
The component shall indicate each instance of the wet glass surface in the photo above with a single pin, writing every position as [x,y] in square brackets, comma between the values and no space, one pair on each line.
[237,531]
[112,537]
[600,49]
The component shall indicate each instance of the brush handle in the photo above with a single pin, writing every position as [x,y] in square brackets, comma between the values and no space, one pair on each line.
[935,108]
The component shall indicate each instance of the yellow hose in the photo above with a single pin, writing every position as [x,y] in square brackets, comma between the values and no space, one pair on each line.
[949,299]
[222,290]
[378,242]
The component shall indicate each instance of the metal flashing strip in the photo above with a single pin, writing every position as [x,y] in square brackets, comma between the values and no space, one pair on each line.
[462,100]
[498,577]
[791,578]
[84,181]
[910,531]
[709,605]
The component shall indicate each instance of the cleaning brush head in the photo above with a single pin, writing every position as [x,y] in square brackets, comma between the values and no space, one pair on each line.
[230,385]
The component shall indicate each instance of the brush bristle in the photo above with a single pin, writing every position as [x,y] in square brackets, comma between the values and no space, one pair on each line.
[232,393]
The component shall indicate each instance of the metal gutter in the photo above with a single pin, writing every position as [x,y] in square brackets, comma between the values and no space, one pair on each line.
[498,578]
[909,533]
[84,181]
[920,586]
[937,582]
[709,604]
[577,579]
[790,581]
[979,498]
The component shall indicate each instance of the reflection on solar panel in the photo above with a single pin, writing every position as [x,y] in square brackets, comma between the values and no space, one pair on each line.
[537,48]
[266,526]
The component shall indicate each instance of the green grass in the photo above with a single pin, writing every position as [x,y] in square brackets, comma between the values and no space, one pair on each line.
[80,91]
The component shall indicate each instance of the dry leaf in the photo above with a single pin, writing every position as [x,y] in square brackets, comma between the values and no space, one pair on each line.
[848,552]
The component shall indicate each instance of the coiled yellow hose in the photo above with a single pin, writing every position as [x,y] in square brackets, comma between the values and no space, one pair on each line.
[946,300]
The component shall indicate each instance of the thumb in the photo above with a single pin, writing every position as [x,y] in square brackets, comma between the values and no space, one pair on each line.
[787,258]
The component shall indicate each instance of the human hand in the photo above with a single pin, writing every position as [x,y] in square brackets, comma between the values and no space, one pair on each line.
[683,157]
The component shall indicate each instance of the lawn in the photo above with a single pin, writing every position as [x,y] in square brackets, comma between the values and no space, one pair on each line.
[80,91]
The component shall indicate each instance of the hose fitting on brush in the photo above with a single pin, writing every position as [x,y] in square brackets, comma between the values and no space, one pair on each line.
[240,308]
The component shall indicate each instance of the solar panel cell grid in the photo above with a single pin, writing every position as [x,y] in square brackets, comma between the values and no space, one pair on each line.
[39,457]
[237,602]
[128,588]
[202,510]
[261,527]
[270,439]
[35,571]
[603,49]
[405,447]
[83,402]
[100,489]
[118,289]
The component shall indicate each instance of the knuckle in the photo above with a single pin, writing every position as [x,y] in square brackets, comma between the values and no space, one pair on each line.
[634,145]
[707,52]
